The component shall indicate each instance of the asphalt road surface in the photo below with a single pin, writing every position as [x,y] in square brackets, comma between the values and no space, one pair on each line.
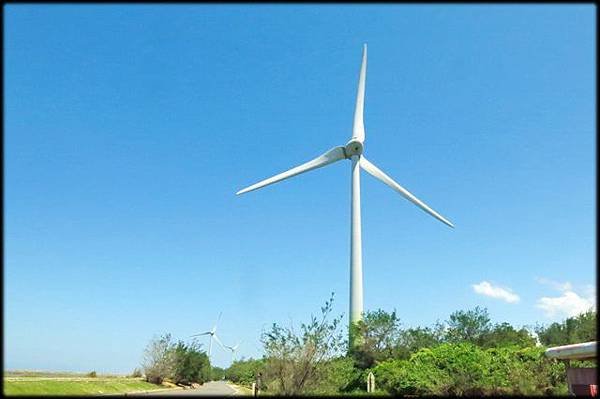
[213,388]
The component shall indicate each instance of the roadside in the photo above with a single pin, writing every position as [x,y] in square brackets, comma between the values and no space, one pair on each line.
[240,389]
[159,391]
[75,386]
[114,386]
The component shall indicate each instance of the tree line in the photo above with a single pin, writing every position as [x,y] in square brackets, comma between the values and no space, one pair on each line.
[467,354]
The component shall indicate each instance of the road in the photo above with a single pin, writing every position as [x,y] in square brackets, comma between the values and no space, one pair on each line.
[213,388]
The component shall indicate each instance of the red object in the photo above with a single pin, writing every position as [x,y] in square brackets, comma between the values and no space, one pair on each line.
[593,390]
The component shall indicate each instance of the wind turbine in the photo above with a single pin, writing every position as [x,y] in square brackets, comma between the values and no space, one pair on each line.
[233,349]
[353,150]
[213,334]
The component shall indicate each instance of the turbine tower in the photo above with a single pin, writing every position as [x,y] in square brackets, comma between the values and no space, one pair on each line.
[213,334]
[353,151]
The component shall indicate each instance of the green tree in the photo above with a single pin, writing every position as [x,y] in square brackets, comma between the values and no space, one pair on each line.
[378,334]
[217,373]
[413,339]
[573,330]
[504,334]
[190,364]
[468,326]
[245,371]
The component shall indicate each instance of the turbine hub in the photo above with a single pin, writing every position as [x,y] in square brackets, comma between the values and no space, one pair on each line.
[353,147]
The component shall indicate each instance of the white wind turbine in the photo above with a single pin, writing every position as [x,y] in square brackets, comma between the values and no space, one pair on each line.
[213,334]
[353,150]
[233,350]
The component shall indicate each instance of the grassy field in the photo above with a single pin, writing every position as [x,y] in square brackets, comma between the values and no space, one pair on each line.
[44,385]
[55,374]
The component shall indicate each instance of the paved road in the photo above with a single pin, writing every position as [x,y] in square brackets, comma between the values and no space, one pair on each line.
[213,388]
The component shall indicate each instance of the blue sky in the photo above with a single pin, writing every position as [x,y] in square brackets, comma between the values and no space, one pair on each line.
[128,129]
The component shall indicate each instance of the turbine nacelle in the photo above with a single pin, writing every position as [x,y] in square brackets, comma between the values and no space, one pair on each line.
[352,148]
[212,334]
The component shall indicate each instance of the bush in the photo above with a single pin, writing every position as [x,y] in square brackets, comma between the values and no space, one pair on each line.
[244,372]
[137,373]
[293,360]
[158,359]
[417,376]
[180,362]
[92,374]
[465,369]
[335,376]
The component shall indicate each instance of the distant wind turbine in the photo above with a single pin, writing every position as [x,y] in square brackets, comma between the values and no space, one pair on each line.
[233,350]
[213,334]
[353,150]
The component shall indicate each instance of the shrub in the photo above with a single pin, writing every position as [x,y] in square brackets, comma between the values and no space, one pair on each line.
[190,364]
[158,359]
[465,369]
[293,360]
[137,373]
[244,372]
[335,376]
[92,374]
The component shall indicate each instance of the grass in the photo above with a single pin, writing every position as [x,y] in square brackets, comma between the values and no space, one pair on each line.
[54,374]
[242,390]
[74,386]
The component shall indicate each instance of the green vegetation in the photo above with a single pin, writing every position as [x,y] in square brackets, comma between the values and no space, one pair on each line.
[217,373]
[464,369]
[79,386]
[177,362]
[55,374]
[244,372]
[164,361]
[465,355]
[573,330]
[190,364]
[298,362]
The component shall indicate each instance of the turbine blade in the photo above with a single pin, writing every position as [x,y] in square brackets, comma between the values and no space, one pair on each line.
[358,128]
[376,172]
[331,156]
[215,326]
[197,335]
[219,341]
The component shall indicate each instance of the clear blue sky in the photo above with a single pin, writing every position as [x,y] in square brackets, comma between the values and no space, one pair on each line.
[128,129]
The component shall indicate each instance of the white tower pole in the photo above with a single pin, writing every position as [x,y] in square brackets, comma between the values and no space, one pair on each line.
[356,277]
